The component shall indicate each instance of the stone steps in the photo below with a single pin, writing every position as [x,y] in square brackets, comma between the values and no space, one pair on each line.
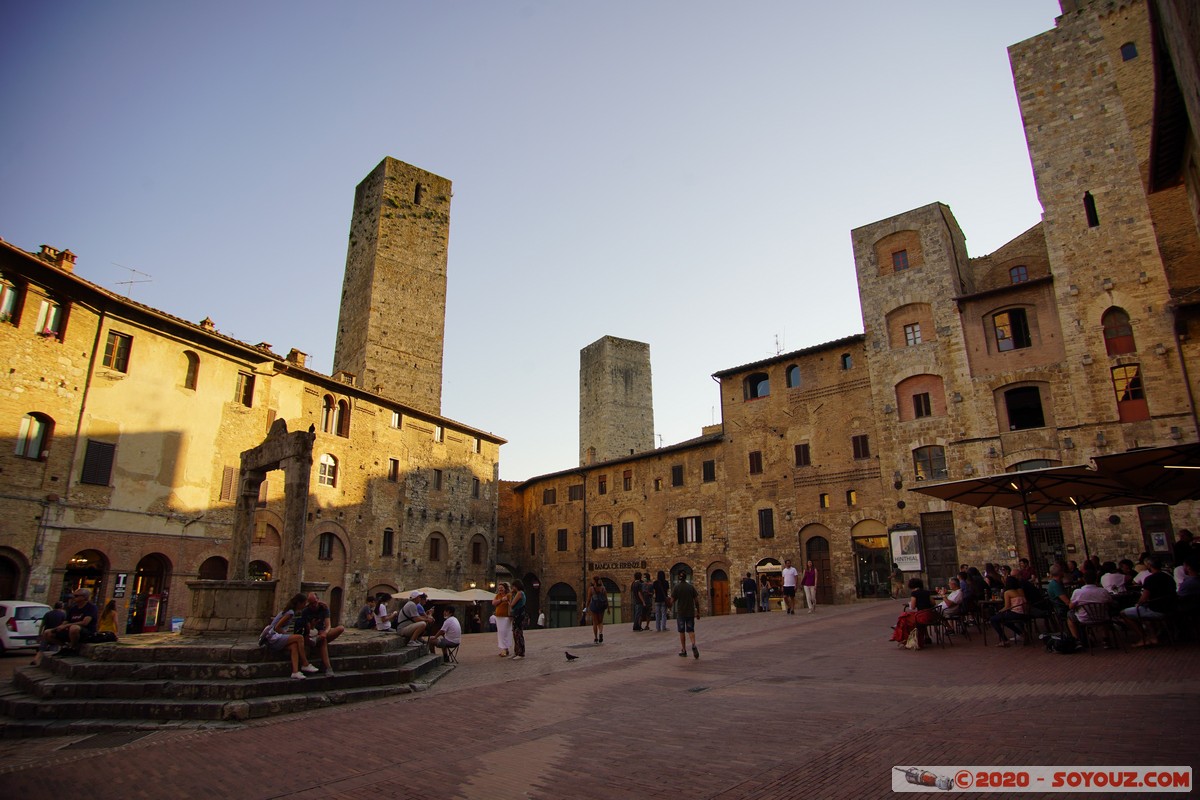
[126,687]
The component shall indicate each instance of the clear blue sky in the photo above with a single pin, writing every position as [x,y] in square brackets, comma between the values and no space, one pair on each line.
[681,173]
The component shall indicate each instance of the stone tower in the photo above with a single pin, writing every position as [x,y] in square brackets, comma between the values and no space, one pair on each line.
[616,408]
[392,320]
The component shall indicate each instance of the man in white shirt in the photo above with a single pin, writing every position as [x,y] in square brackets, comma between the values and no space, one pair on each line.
[1090,592]
[789,586]
[450,634]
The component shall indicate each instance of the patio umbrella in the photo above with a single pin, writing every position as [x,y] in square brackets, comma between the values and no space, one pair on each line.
[1159,474]
[1031,491]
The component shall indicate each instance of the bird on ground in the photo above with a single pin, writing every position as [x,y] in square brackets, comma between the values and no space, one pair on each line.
[570,657]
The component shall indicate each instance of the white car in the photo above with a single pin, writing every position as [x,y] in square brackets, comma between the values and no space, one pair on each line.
[19,623]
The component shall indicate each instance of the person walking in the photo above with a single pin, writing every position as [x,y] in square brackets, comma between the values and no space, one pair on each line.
[749,593]
[809,582]
[597,606]
[635,598]
[516,615]
[789,586]
[662,593]
[503,624]
[685,600]
[897,577]
[765,594]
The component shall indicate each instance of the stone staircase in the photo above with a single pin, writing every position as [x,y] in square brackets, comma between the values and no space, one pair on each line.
[170,681]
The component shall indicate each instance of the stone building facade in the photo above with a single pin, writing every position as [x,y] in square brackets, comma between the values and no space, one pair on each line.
[616,402]
[125,427]
[1077,338]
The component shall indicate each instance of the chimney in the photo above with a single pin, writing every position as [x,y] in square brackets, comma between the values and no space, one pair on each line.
[48,253]
[263,346]
[294,356]
[207,324]
[65,261]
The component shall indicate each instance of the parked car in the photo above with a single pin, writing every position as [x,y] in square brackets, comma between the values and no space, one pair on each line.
[19,623]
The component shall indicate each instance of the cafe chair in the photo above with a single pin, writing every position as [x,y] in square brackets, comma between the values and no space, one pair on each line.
[1099,620]
[971,615]
[938,629]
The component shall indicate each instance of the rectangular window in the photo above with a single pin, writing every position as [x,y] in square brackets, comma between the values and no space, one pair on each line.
[8,302]
[1131,396]
[477,552]
[930,462]
[533,544]
[33,440]
[439,433]
[626,534]
[658,484]
[602,484]
[1012,330]
[98,463]
[709,471]
[549,497]
[435,548]
[475,488]
[389,542]
[921,406]
[562,539]
[244,392]
[393,469]
[900,260]
[912,334]
[803,457]
[766,523]
[395,419]
[677,475]
[476,445]
[862,446]
[50,320]
[601,537]
[228,483]
[575,492]
[627,480]
[824,500]
[756,462]
[437,480]
[325,547]
[116,351]
[689,530]
[851,498]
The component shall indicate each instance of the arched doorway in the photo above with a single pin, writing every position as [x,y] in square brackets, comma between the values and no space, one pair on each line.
[10,577]
[872,559]
[770,572]
[213,569]
[533,597]
[148,602]
[816,550]
[679,567]
[86,568]
[562,608]
[335,605]
[718,592]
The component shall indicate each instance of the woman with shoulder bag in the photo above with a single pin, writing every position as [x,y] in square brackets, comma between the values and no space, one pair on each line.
[278,638]
[516,614]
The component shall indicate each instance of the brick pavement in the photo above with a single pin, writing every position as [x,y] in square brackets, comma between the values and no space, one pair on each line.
[819,706]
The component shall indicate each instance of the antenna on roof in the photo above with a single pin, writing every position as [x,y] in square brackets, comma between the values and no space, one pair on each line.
[778,345]
[132,280]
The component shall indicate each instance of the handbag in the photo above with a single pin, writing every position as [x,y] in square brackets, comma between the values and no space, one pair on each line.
[911,642]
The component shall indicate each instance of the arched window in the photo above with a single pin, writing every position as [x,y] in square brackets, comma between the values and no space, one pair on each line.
[33,440]
[260,571]
[929,463]
[756,386]
[328,415]
[191,369]
[792,376]
[342,420]
[1118,332]
[847,361]
[1018,274]
[214,568]
[327,474]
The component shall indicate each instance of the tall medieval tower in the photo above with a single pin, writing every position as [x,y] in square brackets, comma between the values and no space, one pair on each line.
[616,405]
[392,321]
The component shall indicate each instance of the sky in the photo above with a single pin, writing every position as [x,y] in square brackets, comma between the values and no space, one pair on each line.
[681,173]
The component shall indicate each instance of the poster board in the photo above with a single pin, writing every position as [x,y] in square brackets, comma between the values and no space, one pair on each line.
[906,549]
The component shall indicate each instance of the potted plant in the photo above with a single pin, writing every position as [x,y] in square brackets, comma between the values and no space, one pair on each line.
[739,605]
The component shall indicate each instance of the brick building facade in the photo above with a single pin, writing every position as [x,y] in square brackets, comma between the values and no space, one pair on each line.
[1077,338]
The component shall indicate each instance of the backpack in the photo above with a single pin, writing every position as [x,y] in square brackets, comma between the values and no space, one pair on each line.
[1060,643]
[602,600]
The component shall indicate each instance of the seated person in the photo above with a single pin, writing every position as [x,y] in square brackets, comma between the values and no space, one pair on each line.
[1090,592]
[919,611]
[383,619]
[79,625]
[951,606]
[1057,592]
[412,621]
[450,634]
[1012,614]
[366,615]
[1155,603]
[1112,579]
[52,619]
[313,624]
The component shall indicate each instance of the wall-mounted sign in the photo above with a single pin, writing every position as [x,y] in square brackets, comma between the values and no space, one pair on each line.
[119,587]
[906,549]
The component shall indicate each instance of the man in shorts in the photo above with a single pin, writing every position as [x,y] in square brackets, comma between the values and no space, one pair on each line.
[685,601]
[79,625]
[313,624]
[450,634]
[789,586]
[412,621]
